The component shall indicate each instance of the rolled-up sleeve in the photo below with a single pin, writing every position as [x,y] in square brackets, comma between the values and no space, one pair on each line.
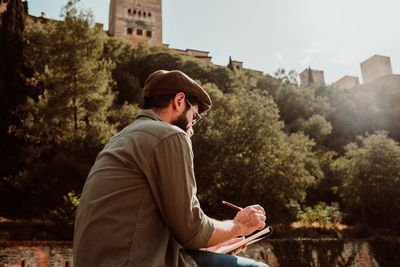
[172,181]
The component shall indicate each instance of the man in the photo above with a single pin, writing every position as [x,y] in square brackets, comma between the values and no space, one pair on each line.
[139,204]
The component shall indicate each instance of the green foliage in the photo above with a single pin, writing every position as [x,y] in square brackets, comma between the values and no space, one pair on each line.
[370,173]
[12,88]
[303,110]
[322,214]
[326,189]
[359,110]
[256,162]
[62,219]
[289,77]
[126,85]
[316,127]
[76,82]
[72,116]
[123,115]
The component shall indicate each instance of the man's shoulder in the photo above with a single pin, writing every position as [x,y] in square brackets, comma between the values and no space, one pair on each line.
[148,129]
[158,129]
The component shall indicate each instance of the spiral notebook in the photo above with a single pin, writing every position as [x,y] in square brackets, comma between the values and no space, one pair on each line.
[266,232]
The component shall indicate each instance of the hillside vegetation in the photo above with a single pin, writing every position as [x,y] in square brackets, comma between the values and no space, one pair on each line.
[314,154]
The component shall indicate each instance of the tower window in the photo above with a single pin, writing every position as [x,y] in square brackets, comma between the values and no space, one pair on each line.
[148,33]
[129,31]
[140,13]
[129,11]
[149,14]
[139,32]
[144,14]
[134,12]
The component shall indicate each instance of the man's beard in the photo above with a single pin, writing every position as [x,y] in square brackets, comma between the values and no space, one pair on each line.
[182,122]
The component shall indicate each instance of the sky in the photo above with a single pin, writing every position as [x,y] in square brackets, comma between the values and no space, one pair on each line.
[330,35]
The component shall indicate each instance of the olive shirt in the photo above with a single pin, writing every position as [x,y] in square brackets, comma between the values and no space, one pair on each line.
[139,204]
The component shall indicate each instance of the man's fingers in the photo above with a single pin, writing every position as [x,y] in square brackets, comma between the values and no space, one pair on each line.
[236,251]
[257,214]
[262,225]
[262,217]
[258,207]
[252,218]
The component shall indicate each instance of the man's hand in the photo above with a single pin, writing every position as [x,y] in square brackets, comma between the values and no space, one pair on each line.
[246,221]
[250,219]
[238,250]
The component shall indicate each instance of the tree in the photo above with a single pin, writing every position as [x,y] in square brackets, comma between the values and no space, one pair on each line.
[289,77]
[326,189]
[127,86]
[371,180]
[298,104]
[66,125]
[13,90]
[77,83]
[316,127]
[243,156]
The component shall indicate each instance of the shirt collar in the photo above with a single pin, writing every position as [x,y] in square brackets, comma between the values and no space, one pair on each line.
[150,114]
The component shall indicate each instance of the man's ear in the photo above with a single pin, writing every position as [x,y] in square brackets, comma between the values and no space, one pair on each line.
[179,102]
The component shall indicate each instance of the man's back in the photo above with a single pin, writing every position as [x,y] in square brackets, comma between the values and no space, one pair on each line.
[124,218]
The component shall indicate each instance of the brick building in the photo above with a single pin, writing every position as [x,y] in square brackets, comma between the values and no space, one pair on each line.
[309,76]
[347,82]
[376,71]
[235,65]
[202,55]
[139,21]
[375,67]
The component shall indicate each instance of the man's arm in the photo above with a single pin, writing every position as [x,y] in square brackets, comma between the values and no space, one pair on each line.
[246,221]
[171,178]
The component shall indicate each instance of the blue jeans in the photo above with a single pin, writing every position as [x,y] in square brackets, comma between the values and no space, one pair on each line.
[210,259]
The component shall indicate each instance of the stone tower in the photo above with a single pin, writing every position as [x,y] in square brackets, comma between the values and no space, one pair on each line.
[375,67]
[309,76]
[235,65]
[139,21]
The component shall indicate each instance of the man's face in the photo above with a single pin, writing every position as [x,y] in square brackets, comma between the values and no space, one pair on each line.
[185,119]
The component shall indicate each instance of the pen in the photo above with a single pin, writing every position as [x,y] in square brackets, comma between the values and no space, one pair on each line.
[231,205]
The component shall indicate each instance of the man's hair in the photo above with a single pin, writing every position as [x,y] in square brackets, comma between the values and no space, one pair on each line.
[162,101]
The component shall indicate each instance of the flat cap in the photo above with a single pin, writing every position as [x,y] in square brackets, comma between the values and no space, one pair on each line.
[163,82]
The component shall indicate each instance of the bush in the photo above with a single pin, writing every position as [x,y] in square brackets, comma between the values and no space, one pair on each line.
[322,214]
[62,219]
